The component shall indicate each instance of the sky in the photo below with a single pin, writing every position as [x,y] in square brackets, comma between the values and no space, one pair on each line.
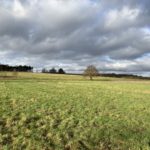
[113,35]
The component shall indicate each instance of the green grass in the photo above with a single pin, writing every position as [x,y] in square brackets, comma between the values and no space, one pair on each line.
[42,111]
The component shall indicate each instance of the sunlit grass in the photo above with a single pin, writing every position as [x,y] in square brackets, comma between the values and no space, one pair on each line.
[42,111]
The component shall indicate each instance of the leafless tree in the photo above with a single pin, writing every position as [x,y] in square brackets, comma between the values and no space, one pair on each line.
[91,71]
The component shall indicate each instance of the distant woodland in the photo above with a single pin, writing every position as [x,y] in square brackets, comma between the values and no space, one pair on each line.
[19,68]
[25,68]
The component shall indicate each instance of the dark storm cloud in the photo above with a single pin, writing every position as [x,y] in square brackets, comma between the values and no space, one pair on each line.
[110,34]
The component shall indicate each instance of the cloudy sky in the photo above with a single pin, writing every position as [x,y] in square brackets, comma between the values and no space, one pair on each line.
[114,35]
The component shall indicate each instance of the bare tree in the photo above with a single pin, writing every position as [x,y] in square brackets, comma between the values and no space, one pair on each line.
[44,70]
[91,71]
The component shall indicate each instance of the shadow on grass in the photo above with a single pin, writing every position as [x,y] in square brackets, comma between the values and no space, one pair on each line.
[7,77]
[103,80]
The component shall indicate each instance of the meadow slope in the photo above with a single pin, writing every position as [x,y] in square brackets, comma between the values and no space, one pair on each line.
[42,111]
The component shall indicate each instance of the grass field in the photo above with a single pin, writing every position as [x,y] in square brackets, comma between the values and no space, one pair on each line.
[56,112]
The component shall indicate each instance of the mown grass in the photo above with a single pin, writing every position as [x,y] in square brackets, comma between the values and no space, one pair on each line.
[70,112]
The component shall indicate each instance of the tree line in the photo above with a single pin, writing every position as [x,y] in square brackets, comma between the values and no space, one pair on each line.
[53,70]
[20,68]
[90,71]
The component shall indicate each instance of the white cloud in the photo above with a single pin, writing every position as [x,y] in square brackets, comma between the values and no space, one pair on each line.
[119,18]
[18,9]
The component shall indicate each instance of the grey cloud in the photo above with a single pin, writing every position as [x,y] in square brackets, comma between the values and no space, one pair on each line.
[13,26]
[76,32]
